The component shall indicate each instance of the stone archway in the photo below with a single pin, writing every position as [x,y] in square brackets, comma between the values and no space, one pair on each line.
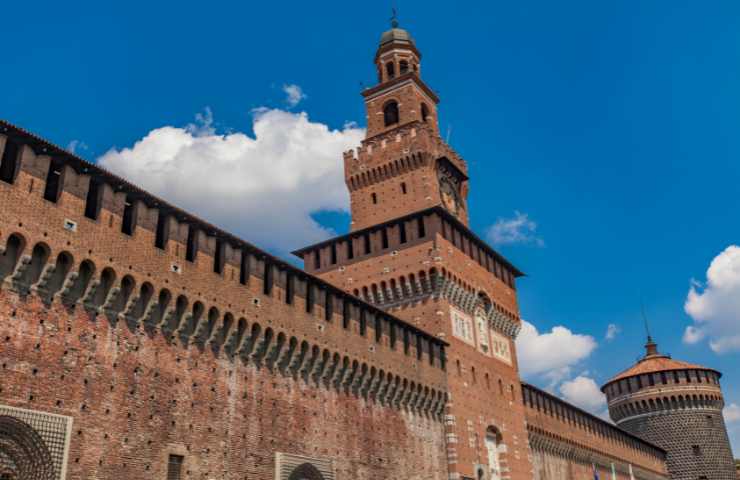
[305,471]
[23,453]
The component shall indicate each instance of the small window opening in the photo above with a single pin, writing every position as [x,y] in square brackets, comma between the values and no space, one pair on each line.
[9,162]
[333,253]
[317,259]
[420,228]
[390,113]
[267,281]
[366,241]
[54,180]
[403,188]
[350,249]
[390,69]
[363,322]
[163,233]
[219,259]
[345,314]
[94,199]
[403,67]
[402,231]
[289,288]
[192,247]
[309,297]
[696,449]
[384,237]
[129,216]
[374,197]
[174,467]
[328,306]
[244,270]
[424,112]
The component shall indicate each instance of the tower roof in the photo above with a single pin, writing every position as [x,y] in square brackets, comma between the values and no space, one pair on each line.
[396,34]
[653,362]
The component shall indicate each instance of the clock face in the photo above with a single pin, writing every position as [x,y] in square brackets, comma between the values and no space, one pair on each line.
[449,189]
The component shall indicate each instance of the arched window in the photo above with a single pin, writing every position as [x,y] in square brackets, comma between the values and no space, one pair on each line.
[424,112]
[390,113]
[403,67]
[493,442]
[305,471]
[390,69]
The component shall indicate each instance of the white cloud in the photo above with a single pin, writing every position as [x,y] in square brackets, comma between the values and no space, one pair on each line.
[551,354]
[517,230]
[732,413]
[715,307]
[612,331]
[293,94]
[75,146]
[583,392]
[264,188]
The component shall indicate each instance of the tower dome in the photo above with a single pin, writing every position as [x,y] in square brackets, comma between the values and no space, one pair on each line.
[678,406]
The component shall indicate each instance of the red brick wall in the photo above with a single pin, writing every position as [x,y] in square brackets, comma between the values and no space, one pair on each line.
[136,395]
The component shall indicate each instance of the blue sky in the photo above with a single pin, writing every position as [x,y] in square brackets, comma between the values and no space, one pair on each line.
[611,128]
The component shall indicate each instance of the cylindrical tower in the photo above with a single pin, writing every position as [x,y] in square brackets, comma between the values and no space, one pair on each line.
[677,406]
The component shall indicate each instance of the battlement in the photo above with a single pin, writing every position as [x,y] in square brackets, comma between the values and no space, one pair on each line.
[78,235]
[391,149]
[555,426]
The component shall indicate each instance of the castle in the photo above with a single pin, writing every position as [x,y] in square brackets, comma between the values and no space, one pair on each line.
[138,341]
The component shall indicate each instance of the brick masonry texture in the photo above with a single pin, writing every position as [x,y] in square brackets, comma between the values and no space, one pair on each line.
[390,355]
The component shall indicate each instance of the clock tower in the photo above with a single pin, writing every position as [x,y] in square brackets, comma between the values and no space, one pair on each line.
[403,165]
[410,252]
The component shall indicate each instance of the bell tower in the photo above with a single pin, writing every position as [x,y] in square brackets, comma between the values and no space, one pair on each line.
[410,252]
[403,164]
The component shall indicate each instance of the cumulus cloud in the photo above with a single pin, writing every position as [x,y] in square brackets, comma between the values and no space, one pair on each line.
[263,187]
[715,306]
[732,413]
[583,392]
[517,230]
[293,94]
[612,331]
[551,354]
[75,146]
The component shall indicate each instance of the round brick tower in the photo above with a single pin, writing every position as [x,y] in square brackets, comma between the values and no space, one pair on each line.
[677,406]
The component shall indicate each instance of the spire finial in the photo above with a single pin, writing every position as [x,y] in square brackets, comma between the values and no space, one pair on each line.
[651,348]
[394,18]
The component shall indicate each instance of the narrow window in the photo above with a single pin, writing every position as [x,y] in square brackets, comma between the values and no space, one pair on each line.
[333,253]
[317,259]
[419,347]
[390,113]
[94,199]
[309,296]
[392,334]
[129,216]
[458,367]
[378,328]
[54,180]
[174,467]
[406,341]
[350,249]
[420,227]
[424,112]
[9,162]
[384,237]
[697,450]
[472,373]
[328,305]
[374,197]
[219,259]
[363,322]
[345,313]
[244,270]
[192,247]
[289,288]
[403,188]
[163,233]
[366,239]
[267,280]
[390,69]
[402,231]
[403,67]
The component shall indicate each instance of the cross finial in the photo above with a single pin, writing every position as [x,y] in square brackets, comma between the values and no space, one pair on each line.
[394,18]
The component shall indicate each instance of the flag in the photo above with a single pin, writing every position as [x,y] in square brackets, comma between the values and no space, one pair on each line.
[614,472]
[632,475]
[596,472]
